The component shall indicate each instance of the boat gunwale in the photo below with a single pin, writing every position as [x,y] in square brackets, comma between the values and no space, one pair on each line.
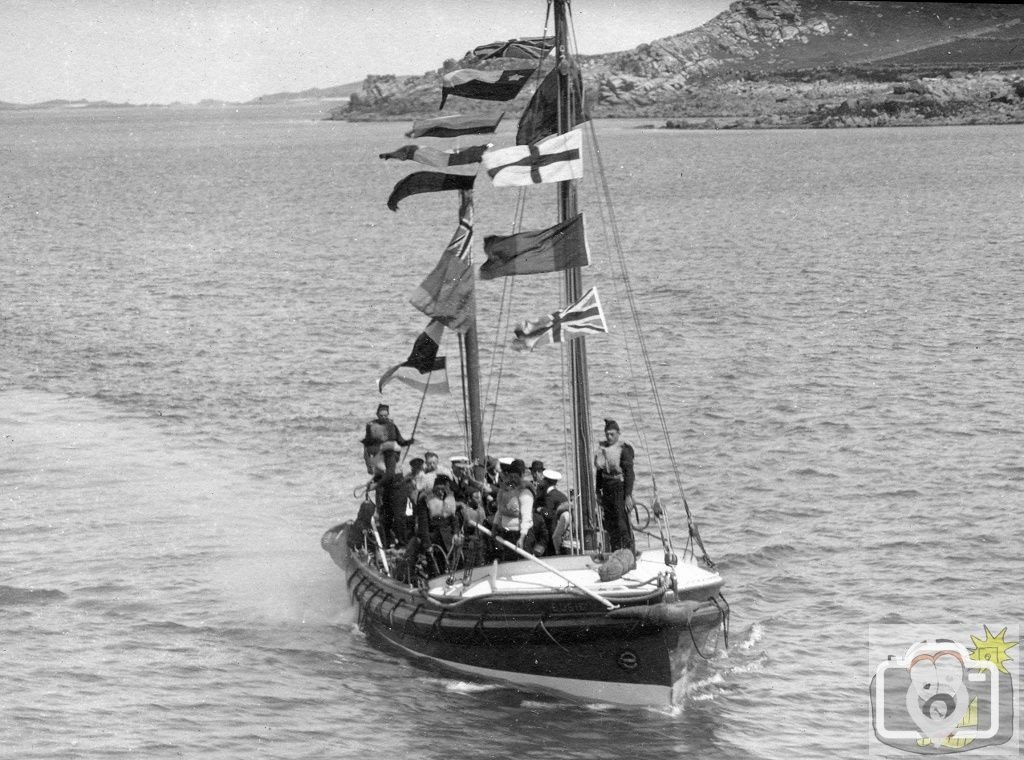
[357,563]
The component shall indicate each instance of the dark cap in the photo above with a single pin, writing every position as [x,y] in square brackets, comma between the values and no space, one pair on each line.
[442,480]
[611,425]
[537,465]
[384,407]
[518,467]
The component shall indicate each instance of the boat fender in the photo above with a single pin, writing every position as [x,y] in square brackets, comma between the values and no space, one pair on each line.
[673,613]
[620,562]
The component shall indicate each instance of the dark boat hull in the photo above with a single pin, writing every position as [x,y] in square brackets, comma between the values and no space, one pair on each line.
[554,642]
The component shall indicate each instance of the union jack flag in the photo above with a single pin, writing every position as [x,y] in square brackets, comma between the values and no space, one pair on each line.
[580,319]
[528,48]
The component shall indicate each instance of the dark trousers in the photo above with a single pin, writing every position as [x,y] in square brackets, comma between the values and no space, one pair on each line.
[616,519]
[393,526]
[473,551]
[503,553]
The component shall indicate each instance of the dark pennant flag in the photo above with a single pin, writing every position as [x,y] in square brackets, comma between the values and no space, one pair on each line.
[428,182]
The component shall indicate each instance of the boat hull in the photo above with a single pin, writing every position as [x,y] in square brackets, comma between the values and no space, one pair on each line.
[551,641]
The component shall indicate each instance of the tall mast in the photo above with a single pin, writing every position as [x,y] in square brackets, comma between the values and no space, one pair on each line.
[471,347]
[577,348]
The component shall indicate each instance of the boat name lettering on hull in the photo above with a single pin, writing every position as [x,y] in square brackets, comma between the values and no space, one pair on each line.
[560,607]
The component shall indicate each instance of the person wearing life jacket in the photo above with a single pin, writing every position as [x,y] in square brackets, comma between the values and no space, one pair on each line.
[436,522]
[514,515]
[614,465]
[378,431]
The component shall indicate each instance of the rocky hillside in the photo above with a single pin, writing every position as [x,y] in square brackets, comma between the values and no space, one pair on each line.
[778,63]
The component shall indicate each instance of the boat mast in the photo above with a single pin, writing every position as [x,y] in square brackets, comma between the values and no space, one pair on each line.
[577,348]
[471,350]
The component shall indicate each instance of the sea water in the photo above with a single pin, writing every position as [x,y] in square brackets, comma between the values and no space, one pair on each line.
[195,306]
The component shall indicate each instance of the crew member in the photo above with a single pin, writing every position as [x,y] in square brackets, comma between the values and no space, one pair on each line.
[514,516]
[614,464]
[378,431]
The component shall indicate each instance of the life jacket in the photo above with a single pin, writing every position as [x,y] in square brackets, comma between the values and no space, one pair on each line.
[510,508]
[378,432]
[508,503]
[608,460]
[441,507]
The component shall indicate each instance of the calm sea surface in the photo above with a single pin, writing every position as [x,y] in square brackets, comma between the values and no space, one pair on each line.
[194,309]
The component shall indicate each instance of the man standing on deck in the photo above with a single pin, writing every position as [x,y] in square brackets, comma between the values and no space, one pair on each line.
[393,490]
[378,431]
[614,463]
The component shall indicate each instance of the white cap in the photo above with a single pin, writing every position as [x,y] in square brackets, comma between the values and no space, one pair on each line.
[552,475]
[460,460]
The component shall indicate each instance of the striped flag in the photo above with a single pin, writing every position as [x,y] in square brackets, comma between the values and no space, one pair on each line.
[484,85]
[447,292]
[553,159]
[524,48]
[424,369]
[537,251]
[465,161]
[578,320]
[454,126]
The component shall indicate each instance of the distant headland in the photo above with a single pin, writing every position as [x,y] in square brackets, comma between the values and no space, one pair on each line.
[786,63]
[759,64]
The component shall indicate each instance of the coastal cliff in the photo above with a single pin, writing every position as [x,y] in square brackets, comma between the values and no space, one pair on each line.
[785,63]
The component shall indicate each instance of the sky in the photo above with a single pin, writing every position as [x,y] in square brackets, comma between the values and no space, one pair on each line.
[165,51]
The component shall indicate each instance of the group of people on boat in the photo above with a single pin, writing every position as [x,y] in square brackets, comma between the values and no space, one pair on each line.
[434,512]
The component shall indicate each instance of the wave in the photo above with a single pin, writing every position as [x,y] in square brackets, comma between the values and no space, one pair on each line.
[810,471]
[11,596]
[900,493]
[771,551]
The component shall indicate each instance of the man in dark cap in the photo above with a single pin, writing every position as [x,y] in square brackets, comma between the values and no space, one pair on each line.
[614,464]
[378,431]
[536,471]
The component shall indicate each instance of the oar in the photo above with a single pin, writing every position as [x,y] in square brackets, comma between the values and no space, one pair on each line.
[526,555]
